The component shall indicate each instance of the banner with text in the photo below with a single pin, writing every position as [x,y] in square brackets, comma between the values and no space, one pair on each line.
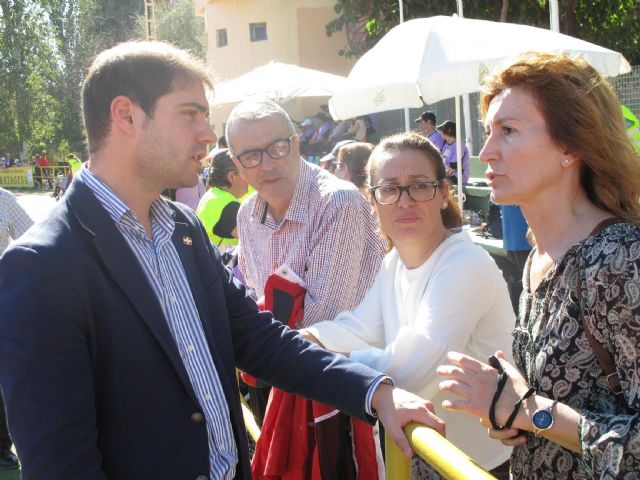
[16,177]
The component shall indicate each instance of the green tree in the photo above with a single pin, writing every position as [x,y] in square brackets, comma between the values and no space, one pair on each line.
[28,66]
[613,24]
[64,16]
[176,23]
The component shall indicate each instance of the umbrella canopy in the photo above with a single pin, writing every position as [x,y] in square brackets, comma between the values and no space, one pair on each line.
[430,59]
[279,82]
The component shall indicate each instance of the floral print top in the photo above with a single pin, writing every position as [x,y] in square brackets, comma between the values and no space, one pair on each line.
[551,349]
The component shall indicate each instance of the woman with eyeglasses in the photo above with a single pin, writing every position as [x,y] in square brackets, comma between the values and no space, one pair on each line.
[434,292]
[570,404]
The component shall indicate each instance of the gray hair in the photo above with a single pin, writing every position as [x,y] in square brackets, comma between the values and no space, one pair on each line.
[255,110]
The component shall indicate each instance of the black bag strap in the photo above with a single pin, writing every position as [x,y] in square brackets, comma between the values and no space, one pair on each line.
[601,353]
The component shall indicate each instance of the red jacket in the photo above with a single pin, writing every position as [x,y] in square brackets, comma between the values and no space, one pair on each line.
[302,439]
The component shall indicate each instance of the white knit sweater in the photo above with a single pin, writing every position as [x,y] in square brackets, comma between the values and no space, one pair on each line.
[409,320]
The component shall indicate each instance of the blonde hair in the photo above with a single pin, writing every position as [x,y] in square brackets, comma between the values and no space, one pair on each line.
[400,142]
[583,115]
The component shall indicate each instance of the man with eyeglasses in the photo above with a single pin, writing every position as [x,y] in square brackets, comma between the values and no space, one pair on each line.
[301,216]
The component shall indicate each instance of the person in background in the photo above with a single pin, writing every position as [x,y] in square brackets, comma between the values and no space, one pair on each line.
[218,208]
[75,164]
[340,131]
[14,221]
[427,124]
[435,289]
[190,196]
[358,131]
[328,162]
[556,146]
[514,241]
[43,163]
[449,153]
[222,142]
[351,163]
[308,130]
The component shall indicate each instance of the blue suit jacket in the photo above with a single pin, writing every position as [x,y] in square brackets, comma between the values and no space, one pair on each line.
[93,382]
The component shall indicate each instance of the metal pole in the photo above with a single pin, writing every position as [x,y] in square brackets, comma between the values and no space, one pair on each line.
[554,16]
[466,102]
[459,157]
[407,120]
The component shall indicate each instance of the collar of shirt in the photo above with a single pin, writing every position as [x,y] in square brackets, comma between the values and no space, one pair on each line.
[162,216]
[298,210]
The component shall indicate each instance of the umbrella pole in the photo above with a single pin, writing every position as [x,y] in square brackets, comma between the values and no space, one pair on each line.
[459,154]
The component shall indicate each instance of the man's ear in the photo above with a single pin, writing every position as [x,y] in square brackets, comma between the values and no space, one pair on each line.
[124,114]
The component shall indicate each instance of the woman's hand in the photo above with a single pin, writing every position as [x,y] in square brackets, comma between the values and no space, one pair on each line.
[511,437]
[475,383]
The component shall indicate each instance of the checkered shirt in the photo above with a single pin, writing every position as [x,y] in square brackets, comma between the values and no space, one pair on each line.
[328,237]
[14,220]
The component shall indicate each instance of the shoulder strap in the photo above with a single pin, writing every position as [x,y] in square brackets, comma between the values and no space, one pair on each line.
[601,353]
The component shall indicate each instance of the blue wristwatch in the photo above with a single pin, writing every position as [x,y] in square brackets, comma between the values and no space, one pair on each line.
[542,419]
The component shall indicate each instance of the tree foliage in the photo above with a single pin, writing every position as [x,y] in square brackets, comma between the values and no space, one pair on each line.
[613,24]
[45,48]
[28,67]
[176,23]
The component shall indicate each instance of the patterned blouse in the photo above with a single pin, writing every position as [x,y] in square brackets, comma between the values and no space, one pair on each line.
[553,352]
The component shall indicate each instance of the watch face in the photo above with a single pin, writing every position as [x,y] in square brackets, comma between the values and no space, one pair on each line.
[542,419]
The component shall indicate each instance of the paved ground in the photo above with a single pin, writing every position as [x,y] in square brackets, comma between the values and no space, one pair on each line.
[37,202]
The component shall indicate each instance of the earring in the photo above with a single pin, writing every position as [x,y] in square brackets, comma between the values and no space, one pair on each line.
[444,205]
[565,162]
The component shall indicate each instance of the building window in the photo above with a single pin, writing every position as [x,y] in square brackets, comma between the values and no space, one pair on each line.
[258,31]
[221,38]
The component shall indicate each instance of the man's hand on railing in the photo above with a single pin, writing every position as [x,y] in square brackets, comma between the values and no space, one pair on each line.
[396,408]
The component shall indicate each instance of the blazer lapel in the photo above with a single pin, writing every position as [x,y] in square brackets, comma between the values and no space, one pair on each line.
[122,265]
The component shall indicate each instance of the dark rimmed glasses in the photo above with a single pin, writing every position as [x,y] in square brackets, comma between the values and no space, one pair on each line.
[388,194]
[276,150]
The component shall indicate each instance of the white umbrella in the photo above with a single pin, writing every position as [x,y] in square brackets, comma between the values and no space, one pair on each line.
[279,82]
[430,59]
[426,60]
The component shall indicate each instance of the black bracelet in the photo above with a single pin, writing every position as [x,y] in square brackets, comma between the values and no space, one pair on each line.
[516,407]
[502,380]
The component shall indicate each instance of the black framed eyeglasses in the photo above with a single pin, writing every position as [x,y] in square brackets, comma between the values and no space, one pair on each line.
[388,194]
[278,149]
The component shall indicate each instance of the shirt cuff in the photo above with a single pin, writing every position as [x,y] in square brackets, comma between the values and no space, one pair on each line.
[372,389]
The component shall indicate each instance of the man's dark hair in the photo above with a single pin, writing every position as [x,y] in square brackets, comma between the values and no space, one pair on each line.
[142,71]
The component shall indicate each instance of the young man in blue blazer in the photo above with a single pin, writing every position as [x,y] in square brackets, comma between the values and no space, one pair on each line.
[123,365]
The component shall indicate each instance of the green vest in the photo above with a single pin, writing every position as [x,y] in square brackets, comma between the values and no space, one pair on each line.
[632,125]
[75,164]
[209,210]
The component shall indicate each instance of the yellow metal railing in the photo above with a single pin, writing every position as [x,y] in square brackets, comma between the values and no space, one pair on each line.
[48,176]
[249,421]
[447,459]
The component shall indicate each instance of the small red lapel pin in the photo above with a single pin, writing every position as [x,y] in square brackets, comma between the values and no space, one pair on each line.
[187,241]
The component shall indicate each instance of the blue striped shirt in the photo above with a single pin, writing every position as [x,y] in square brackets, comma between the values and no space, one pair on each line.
[161,265]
